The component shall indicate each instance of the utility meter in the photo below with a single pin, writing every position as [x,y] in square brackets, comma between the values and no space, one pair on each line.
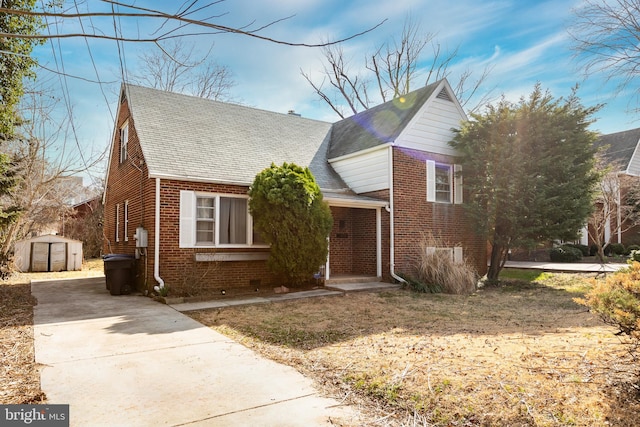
[141,237]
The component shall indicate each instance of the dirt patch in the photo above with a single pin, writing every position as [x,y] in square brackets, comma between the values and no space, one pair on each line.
[518,355]
[19,374]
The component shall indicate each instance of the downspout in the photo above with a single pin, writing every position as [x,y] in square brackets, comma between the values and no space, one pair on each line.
[156,243]
[390,208]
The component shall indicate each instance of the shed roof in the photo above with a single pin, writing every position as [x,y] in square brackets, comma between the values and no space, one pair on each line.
[50,238]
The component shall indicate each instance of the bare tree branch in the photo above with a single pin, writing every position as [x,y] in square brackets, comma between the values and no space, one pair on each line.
[176,69]
[394,67]
[155,14]
[606,41]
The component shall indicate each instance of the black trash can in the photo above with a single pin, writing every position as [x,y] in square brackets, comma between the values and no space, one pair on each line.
[118,271]
[105,257]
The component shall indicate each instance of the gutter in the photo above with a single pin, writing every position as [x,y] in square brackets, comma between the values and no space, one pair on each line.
[389,208]
[156,243]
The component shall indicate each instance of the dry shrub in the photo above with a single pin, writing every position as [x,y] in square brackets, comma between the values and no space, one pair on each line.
[437,270]
[617,300]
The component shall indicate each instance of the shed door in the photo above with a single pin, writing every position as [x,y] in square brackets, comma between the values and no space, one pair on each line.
[39,256]
[58,256]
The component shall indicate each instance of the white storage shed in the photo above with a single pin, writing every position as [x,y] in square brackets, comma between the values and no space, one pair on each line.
[48,253]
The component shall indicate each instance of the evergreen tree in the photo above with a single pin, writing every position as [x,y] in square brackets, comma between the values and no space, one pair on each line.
[289,213]
[15,60]
[529,170]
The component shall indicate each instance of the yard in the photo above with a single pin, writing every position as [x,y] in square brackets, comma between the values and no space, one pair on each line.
[522,354]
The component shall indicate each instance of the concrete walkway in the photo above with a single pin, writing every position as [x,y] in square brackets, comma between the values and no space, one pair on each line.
[333,290]
[577,267]
[130,361]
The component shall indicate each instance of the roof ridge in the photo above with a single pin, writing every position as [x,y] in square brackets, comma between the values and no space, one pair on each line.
[226,103]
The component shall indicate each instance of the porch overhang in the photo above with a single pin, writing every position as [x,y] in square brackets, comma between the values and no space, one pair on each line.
[345,200]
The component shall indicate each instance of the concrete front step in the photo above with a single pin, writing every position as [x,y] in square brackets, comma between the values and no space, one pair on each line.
[366,287]
[352,279]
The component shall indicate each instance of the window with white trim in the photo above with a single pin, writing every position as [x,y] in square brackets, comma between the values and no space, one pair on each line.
[126,220]
[455,253]
[218,220]
[444,182]
[117,236]
[124,141]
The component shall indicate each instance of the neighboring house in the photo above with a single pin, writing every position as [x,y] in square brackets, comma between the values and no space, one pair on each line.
[619,152]
[180,168]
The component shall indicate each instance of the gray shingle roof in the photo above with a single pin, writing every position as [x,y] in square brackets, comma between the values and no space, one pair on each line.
[619,147]
[199,139]
[377,125]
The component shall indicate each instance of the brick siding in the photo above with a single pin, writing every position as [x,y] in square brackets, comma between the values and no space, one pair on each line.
[413,215]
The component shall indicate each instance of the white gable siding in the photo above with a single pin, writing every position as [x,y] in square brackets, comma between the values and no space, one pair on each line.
[364,172]
[634,163]
[430,130]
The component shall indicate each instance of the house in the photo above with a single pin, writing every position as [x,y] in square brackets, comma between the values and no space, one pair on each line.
[620,153]
[180,168]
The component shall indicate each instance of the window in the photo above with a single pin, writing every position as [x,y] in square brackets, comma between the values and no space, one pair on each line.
[215,220]
[124,141]
[444,182]
[117,222]
[126,220]
[205,220]
[455,253]
[233,220]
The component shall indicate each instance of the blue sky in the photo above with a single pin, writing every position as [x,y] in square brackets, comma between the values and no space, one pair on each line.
[523,41]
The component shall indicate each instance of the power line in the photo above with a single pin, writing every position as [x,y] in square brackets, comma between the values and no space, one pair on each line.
[65,94]
[93,63]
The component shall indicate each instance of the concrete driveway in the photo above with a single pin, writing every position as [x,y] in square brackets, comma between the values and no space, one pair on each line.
[130,361]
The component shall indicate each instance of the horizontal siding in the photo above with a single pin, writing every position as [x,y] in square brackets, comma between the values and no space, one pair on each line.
[431,131]
[366,172]
[634,164]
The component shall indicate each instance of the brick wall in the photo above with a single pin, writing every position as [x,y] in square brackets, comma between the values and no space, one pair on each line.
[341,242]
[414,215]
[127,181]
[364,242]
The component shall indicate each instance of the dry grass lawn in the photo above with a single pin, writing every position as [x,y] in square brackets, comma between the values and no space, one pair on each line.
[523,354]
[19,375]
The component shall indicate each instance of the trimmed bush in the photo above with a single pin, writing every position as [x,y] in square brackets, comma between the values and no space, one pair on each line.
[635,255]
[584,249]
[289,213]
[565,254]
[593,250]
[617,248]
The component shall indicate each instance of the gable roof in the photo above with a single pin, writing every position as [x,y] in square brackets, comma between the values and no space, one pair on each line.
[620,147]
[377,125]
[190,138]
